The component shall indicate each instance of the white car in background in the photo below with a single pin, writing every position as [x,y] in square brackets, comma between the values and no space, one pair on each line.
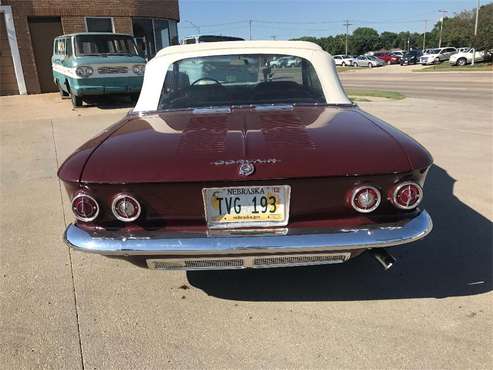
[368,61]
[465,57]
[438,55]
[343,60]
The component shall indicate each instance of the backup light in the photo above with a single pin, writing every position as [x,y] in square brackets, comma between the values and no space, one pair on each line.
[365,199]
[85,207]
[125,208]
[407,195]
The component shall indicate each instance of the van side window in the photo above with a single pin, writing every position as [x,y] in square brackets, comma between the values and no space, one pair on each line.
[60,46]
[68,46]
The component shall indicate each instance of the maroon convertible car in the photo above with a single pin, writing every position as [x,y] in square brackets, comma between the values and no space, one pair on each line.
[226,163]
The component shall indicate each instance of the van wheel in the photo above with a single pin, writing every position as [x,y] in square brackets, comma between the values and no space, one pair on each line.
[76,100]
[370,65]
[63,93]
[343,64]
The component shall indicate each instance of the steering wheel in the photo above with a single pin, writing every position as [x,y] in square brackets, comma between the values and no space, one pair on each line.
[216,82]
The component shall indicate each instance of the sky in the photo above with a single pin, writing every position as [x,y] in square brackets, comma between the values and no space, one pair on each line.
[278,19]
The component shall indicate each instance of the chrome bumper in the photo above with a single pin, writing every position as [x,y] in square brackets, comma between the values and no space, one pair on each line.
[249,243]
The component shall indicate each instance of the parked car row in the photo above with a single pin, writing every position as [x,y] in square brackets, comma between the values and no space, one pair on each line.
[455,56]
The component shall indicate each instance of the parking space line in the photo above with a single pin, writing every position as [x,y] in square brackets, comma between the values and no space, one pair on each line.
[69,251]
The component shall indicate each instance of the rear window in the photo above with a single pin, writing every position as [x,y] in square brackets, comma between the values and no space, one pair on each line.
[240,80]
[105,44]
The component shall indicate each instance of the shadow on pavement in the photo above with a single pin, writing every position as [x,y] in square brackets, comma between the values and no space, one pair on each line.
[110,102]
[454,260]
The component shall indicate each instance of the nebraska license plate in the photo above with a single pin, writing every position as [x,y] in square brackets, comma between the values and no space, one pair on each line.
[246,206]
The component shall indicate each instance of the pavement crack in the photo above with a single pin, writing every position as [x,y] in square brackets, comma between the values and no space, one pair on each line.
[68,249]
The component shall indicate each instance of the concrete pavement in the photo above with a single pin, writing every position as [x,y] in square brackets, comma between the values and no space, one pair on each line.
[66,309]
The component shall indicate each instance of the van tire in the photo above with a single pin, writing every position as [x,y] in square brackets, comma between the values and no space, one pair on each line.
[63,93]
[76,100]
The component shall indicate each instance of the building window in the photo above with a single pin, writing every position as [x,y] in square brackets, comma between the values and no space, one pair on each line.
[99,24]
[153,34]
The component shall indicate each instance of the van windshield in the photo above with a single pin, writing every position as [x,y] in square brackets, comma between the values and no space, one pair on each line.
[210,38]
[244,79]
[109,44]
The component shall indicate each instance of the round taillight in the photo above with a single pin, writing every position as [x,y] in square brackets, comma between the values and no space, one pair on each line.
[365,198]
[85,207]
[407,195]
[125,208]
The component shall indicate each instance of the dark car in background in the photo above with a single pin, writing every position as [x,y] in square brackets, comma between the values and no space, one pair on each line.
[411,57]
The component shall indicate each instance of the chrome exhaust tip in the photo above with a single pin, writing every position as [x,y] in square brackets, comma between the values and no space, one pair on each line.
[384,257]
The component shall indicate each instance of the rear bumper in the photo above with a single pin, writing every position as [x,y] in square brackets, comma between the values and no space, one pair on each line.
[251,243]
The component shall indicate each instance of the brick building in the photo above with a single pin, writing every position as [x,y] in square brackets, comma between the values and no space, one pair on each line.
[28,27]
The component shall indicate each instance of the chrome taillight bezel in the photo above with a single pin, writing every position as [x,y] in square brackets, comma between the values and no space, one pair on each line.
[117,215]
[357,190]
[401,185]
[85,219]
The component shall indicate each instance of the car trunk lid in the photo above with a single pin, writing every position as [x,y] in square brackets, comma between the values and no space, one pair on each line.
[212,144]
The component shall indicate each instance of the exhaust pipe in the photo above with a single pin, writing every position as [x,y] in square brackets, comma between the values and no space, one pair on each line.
[384,257]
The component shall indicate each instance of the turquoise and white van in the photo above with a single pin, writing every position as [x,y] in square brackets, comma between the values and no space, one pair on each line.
[93,63]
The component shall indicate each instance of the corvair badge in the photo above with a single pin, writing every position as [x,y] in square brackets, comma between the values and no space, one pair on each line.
[229,162]
[247,166]
[246,169]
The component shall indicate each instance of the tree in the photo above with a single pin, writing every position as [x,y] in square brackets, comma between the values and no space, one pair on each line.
[364,39]
[387,40]
[458,31]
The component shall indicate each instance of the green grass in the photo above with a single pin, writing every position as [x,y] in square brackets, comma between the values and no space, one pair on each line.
[446,67]
[361,95]
[344,69]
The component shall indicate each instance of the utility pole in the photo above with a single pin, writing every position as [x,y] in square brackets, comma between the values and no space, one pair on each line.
[441,26]
[475,34]
[347,24]
[424,34]
[250,24]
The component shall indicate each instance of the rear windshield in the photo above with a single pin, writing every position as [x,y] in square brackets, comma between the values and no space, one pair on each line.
[105,44]
[240,80]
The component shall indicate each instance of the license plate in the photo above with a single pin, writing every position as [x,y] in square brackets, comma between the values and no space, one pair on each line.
[246,206]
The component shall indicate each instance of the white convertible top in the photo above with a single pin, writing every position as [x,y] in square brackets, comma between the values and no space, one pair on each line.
[157,67]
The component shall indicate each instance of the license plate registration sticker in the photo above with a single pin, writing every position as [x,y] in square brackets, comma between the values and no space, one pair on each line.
[246,206]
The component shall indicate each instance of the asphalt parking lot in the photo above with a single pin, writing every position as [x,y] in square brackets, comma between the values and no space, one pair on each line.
[475,88]
[66,309]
